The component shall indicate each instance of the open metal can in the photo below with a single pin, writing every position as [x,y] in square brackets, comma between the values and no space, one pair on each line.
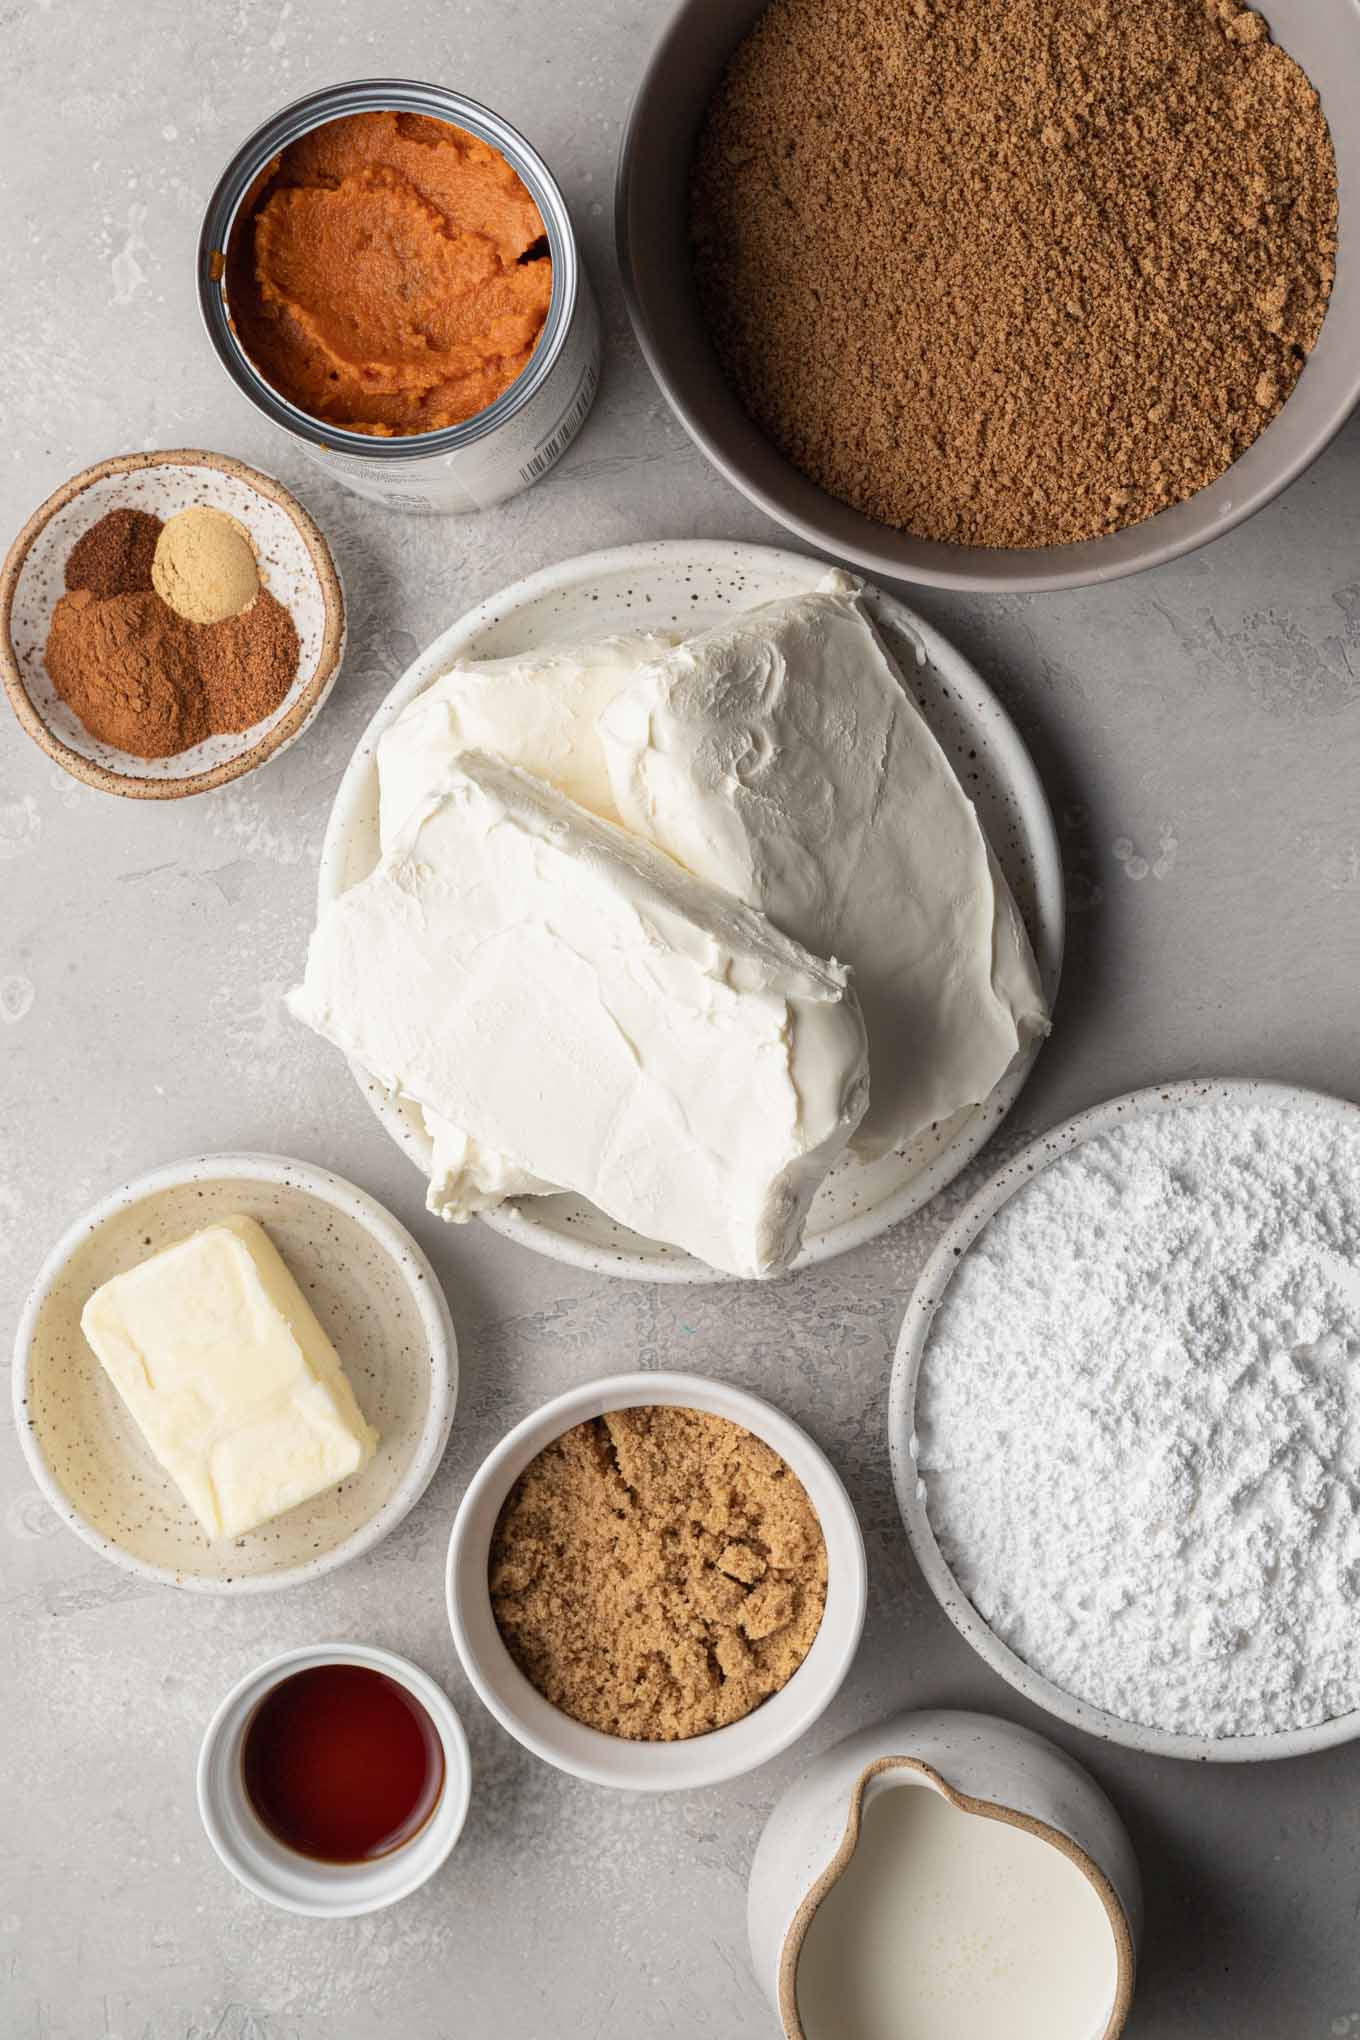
[514,441]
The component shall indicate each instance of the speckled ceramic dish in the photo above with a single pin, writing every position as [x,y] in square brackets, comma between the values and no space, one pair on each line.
[902,1442]
[687,586]
[374,1292]
[297,569]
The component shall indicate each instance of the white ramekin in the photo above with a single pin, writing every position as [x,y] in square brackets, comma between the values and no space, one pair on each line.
[332,1891]
[613,1760]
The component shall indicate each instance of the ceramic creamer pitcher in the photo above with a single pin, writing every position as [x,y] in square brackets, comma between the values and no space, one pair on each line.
[945,1875]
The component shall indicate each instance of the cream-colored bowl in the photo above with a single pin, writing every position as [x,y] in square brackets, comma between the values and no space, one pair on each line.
[374,1292]
[614,1760]
[297,569]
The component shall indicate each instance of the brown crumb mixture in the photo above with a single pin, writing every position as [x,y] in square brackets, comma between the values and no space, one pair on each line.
[115,554]
[1013,275]
[657,1573]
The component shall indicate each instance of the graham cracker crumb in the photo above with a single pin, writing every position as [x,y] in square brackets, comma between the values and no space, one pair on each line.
[657,1573]
[1013,275]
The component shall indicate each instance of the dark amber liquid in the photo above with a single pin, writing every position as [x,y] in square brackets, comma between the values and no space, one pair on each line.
[342,1764]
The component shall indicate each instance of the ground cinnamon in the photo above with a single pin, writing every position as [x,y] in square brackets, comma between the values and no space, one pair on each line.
[141,677]
[126,664]
[1013,275]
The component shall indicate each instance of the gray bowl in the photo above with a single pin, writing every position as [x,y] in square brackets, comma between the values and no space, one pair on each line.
[1324,36]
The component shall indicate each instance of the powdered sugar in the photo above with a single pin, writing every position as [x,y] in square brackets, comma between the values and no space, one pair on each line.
[1138,1418]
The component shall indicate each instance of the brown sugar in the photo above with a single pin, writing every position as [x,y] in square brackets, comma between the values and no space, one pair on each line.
[1013,275]
[657,1573]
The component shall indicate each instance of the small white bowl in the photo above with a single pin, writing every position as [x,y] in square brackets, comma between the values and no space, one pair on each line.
[614,1760]
[371,1287]
[331,1891]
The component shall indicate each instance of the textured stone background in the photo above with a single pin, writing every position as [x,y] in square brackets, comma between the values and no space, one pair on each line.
[1198,731]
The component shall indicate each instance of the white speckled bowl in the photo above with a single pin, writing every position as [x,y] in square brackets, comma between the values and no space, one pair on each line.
[687,585]
[326,1891]
[374,1292]
[297,569]
[614,1760]
[902,1443]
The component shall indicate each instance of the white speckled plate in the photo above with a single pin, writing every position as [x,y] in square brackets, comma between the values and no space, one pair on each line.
[296,567]
[374,1292]
[913,1340]
[687,586]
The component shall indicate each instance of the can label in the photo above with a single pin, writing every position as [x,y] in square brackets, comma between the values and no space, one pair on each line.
[501,463]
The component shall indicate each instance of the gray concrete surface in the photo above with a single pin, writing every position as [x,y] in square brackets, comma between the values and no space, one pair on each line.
[1198,730]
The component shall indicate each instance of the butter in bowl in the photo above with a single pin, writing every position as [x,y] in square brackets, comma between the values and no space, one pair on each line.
[234,1374]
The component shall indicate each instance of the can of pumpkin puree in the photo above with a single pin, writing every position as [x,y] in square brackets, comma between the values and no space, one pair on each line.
[503,447]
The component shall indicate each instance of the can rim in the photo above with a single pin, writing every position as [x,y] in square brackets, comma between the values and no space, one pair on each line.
[384,95]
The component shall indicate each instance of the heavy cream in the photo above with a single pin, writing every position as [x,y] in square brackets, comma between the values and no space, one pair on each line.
[952,1925]
[573,1001]
[781,757]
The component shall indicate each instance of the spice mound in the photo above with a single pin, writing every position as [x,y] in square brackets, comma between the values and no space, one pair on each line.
[391,274]
[204,565]
[657,1573]
[1013,276]
[141,676]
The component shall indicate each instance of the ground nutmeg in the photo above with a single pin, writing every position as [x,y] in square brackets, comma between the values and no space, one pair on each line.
[141,677]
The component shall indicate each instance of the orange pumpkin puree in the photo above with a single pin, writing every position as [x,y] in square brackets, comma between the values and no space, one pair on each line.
[390,274]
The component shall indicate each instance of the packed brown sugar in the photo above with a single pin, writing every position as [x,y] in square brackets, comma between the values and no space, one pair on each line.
[1013,275]
[391,274]
[657,1573]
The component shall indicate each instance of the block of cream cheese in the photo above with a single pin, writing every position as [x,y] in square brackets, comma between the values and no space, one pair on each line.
[578,1003]
[782,758]
[230,1378]
[537,711]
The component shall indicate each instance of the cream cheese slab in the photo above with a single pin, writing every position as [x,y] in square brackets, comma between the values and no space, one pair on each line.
[579,1004]
[781,757]
[228,1374]
[537,711]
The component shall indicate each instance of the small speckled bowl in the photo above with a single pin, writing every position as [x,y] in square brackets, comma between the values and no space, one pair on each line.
[297,569]
[374,1292]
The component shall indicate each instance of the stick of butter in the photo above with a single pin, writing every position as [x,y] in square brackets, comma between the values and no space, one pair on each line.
[230,1378]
